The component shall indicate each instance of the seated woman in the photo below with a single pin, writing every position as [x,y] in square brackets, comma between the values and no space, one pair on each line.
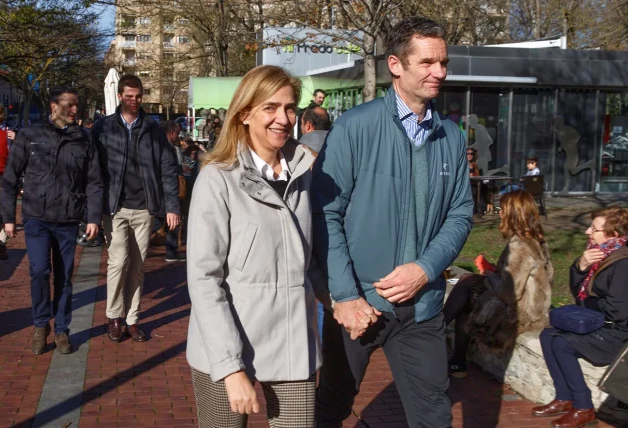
[597,281]
[495,307]
[253,313]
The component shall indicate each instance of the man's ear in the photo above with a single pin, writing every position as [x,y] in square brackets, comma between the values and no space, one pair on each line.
[394,65]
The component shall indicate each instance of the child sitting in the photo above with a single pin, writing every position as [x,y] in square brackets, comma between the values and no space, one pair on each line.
[533,169]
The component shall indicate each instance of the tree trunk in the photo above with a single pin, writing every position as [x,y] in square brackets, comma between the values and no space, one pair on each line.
[537,20]
[28,96]
[370,69]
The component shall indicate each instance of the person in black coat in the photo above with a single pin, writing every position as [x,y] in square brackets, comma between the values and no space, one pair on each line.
[598,282]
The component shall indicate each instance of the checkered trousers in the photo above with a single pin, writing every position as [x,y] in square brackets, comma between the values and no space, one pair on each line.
[288,404]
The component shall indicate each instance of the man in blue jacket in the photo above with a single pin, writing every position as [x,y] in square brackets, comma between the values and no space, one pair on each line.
[392,209]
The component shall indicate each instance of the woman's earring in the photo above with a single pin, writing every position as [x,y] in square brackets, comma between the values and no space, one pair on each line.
[246,122]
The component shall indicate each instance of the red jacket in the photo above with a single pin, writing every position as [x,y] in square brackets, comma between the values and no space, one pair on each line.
[4,150]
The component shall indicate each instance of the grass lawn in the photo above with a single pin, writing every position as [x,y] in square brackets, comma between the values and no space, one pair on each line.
[564,245]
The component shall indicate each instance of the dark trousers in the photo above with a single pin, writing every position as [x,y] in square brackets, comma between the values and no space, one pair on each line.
[42,239]
[416,353]
[562,362]
[172,237]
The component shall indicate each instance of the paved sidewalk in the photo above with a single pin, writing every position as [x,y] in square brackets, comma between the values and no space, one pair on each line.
[149,384]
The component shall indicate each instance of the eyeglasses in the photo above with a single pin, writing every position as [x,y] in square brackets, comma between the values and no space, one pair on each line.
[470,154]
[593,229]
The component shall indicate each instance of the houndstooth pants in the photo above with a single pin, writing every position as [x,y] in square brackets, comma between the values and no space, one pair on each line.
[288,404]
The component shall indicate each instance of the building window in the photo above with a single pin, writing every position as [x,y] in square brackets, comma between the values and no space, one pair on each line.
[129,38]
[168,55]
[143,38]
[129,55]
[183,21]
[128,21]
[184,40]
[147,91]
[143,20]
[141,55]
[144,74]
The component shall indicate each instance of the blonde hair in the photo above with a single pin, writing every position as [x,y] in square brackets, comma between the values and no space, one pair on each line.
[257,86]
[520,216]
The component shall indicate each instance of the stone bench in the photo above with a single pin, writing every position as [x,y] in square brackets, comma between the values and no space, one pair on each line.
[526,373]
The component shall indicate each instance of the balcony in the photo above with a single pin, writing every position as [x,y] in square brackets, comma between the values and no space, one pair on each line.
[128,44]
[128,62]
[169,45]
[169,27]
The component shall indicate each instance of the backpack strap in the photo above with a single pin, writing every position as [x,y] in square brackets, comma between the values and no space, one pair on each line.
[615,256]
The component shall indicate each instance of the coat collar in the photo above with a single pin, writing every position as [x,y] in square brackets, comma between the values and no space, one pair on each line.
[299,161]
[390,99]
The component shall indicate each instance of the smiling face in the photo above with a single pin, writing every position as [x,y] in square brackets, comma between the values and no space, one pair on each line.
[64,111]
[271,123]
[419,78]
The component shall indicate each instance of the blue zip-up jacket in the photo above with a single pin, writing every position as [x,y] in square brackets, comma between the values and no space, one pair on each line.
[361,204]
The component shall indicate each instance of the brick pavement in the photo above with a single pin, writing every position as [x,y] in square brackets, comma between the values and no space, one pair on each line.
[149,384]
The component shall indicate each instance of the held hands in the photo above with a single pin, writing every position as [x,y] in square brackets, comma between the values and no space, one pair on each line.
[402,284]
[355,316]
[587,258]
[241,394]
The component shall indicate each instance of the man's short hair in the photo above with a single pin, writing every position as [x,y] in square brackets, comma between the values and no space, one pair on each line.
[130,81]
[318,117]
[398,43]
[57,91]
[320,91]
[170,126]
[88,122]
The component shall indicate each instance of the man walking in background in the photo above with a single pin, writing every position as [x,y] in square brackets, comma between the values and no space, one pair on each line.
[140,177]
[315,124]
[392,208]
[62,186]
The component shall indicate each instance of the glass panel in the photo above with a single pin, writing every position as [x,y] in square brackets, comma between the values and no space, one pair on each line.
[452,103]
[532,118]
[614,150]
[488,129]
[576,137]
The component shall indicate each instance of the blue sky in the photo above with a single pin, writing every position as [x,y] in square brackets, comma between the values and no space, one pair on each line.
[107,16]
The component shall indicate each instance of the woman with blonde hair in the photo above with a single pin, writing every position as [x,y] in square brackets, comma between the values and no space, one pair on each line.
[510,298]
[253,313]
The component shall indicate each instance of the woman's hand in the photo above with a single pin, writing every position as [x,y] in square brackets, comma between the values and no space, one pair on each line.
[590,257]
[241,394]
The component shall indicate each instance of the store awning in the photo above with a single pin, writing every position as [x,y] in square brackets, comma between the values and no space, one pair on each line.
[216,92]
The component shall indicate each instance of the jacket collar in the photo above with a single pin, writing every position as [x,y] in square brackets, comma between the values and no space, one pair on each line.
[71,132]
[390,99]
[299,161]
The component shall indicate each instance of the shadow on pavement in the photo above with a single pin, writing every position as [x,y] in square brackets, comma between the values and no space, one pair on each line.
[110,384]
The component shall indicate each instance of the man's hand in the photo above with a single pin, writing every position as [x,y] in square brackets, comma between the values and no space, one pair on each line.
[172,220]
[587,258]
[402,284]
[241,394]
[9,228]
[91,231]
[11,135]
[355,316]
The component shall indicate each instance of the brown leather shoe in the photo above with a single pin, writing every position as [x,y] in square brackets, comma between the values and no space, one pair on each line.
[63,343]
[3,252]
[576,418]
[136,334]
[553,409]
[40,334]
[115,330]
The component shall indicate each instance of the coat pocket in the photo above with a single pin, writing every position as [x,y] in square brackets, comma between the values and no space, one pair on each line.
[39,159]
[245,246]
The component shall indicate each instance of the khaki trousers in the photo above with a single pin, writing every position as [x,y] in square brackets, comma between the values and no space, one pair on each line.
[128,234]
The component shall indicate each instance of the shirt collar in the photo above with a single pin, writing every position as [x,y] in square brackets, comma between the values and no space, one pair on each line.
[405,112]
[127,124]
[267,171]
[52,123]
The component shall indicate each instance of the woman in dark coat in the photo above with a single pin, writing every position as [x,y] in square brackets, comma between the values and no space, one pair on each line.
[598,282]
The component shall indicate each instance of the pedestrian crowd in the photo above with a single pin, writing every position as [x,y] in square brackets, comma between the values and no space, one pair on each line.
[304,257]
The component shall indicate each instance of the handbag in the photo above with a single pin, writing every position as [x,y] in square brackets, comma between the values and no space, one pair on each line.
[182,187]
[615,379]
[576,319]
